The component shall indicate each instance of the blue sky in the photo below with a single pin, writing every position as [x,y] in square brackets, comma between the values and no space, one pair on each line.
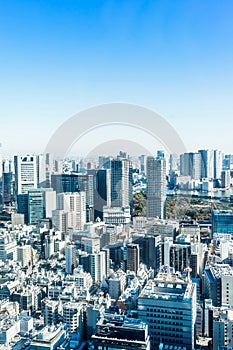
[58,57]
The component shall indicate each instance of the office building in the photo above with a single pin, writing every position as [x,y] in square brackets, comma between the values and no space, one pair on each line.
[71,260]
[133,257]
[77,183]
[156,188]
[223,329]
[24,255]
[218,159]
[218,284]
[50,311]
[25,173]
[190,165]
[49,338]
[119,332]
[226,178]
[36,208]
[102,195]
[168,305]
[222,221]
[207,164]
[150,251]
[121,183]
[75,205]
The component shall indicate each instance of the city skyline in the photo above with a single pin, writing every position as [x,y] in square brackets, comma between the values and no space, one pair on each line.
[174,58]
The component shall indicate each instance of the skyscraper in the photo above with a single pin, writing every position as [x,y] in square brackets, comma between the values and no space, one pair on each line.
[36,210]
[121,183]
[25,173]
[75,205]
[190,165]
[217,163]
[156,187]
[207,163]
[133,257]
[71,261]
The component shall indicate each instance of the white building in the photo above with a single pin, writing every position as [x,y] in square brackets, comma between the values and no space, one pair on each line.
[24,254]
[75,205]
[117,215]
[72,316]
[25,173]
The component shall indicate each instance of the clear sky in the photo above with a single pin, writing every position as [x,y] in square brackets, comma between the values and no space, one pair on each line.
[58,57]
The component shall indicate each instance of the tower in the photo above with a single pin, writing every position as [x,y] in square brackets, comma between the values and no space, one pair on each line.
[121,183]
[71,261]
[156,187]
[25,173]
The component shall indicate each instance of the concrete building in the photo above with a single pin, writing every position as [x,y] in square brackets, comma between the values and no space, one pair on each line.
[218,284]
[50,311]
[24,254]
[49,338]
[156,187]
[36,208]
[121,183]
[117,284]
[133,257]
[72,316]
[223,329]
[222,221]
[168,305]
[75,205]
[25,173]
[207,163]
[218,158]
[118,332]
[7,247]
[226,178]
[190,165]
[71,260]
[117,215]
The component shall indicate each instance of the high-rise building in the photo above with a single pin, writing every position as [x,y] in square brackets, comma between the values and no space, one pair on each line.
[121,183]
[150,251]
[24,254]
[218,284]
[226,178]
[77,183]
[71,260]
[36,210]
[97,266]
[223,330]
[102,195]
[74,204]
[156,187]
[190,165]
[218,159]
[222,221]
[25,173]
[168,305]
[7,185]
[207,163]
[133,257]
[72,316]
